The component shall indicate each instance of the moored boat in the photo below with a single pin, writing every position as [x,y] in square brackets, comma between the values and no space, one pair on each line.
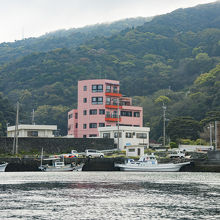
[148,163]
[3,167]
[57,166]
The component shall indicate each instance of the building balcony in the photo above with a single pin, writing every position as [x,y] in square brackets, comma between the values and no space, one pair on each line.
[112,117]
[112,105]
[113,93]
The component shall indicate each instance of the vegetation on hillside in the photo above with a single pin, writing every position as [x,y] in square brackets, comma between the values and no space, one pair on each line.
[175,57]
[64,38]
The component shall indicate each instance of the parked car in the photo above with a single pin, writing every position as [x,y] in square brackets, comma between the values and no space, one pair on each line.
[93,153]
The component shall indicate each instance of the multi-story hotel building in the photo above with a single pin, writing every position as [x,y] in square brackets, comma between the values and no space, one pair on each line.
[99,102]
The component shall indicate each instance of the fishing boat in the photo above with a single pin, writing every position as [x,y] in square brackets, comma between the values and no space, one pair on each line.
[148,163]
[3,167]
[58,165]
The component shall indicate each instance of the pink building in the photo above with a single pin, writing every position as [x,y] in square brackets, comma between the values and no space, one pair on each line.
[99,102]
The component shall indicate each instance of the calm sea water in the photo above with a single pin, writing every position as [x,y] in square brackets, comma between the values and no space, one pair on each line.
[109,195]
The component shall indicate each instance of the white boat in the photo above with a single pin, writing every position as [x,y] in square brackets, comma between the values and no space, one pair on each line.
[148,163]
[58,165]
[3,167]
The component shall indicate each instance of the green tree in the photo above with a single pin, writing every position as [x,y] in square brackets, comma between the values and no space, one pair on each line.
[183,127]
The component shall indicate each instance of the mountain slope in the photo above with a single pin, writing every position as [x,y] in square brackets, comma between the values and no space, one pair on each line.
[64,38]
[147,60]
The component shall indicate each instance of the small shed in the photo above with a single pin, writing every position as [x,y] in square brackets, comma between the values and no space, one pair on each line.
[134,151]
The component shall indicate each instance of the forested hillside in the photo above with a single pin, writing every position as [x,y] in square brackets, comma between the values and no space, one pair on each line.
[7,114]
[172,59]
[64,38]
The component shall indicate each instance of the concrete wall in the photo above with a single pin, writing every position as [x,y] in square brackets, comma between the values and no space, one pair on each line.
[214,155]
[55,145]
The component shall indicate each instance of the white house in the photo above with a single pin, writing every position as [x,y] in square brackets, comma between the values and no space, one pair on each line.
[128,135]
[32,130]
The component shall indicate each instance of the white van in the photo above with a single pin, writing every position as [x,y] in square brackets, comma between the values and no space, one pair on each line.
[93,153]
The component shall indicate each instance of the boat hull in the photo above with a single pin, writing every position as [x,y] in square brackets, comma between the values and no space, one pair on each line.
[151,168]
[61,169]
[3,167]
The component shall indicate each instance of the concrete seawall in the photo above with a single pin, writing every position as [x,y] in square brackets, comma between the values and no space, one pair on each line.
[105,164]
[54,145]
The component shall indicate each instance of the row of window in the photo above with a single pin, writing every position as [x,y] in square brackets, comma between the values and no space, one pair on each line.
[95,100]
[94,112]
[93,125]
[99,88]
[102,112]
[129,114]
[91,135]
[127,135]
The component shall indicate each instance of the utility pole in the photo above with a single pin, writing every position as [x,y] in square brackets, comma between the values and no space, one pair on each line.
[15,142]
[16,129]
[164,124]
[118,122]
[210,133]
[33,123]
[216,134]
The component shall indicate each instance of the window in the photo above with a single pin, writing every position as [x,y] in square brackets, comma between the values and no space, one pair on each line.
[128,135]
[84,100]
[106,135]
[101,124]
[84,88]
[70,116]
[32,133]
[108,101]
[84,126]
[84,136]
[115,89]
[76,125]
[97,100]
[93,111]
[76,115]
[97,88]
[141,135]
[115,101]
[84,112]
[108,88]
[116,134]
[93,135]
[93,125]
[101,111]
[137,114]
[126,113]
[131,150]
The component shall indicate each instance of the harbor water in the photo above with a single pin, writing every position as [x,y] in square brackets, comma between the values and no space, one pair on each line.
[109,195]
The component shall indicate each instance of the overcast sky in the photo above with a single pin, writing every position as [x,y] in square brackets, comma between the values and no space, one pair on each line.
[32,18]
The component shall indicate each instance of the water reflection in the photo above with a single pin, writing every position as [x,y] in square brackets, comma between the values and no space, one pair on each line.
[110,196]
